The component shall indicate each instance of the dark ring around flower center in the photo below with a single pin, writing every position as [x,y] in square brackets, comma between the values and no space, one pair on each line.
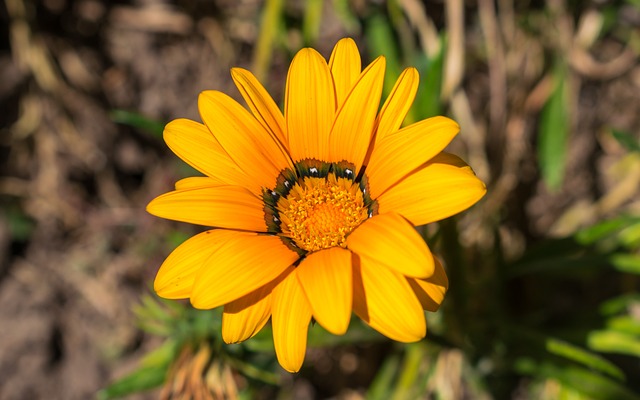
[315,169]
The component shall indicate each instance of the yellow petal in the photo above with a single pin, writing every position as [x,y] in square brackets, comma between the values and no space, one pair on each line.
[452,159]
[397,154]
[385,301]
[231,207]
[345,66]
[309,106]
[242,265]
[353,128]
[326,277]
[195,145]
[393,242]
[247,142]
[261,103]
[438,190]
[397,105]
[197,182]
[243,318]
[291,315]
[176,275]
[431,291]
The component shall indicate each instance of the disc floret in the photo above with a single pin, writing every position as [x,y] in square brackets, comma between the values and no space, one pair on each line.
[319,208]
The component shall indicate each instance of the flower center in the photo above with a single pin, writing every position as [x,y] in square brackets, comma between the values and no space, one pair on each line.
[319,213]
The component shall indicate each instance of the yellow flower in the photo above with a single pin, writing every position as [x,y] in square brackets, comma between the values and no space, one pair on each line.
[313,211]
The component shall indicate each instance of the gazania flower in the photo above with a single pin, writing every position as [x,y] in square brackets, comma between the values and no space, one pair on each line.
[313,211]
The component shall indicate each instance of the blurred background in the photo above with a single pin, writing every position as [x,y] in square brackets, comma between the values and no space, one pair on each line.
[544,297]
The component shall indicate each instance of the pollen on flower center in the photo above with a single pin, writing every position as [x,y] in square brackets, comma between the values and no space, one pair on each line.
[319,213]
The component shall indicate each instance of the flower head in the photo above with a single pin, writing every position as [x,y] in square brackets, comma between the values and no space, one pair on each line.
[313,211]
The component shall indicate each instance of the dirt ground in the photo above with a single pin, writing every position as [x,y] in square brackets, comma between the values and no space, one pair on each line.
[77,249]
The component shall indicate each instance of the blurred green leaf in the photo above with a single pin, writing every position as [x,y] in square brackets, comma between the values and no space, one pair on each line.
[605,229]
[537,343]
[381,41]
[358,333]
[161,356]
[538,261]
[635,3]
[253,372]
[619,304]
[626,140]
[630,236]
[262,341]
[269,29]
[153,316]
[428,103]
[176,238]
[20,225]
[139,121]
[409,379]
[553,133]
[140,380]
[380,388]
[582,356]
[626,262]
[615,342]
[625,324]
[311,21]
[584,381]
[342,8]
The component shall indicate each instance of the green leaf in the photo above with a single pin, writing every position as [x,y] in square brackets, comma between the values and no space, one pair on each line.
[557,256]
[630,236]
[161,356]
[381,41]
[626,262]
[270,25]
[625,324]
[619,304]
[605,229]
[342,9]
[253,372]
[20,225]
[428,103]
[358,333]
[380,388]
[615,342]
[410,372]
[262,342]
[582,356]
[176,238]
[140,380]
[581,380]
[139,121]
[553,132]
[311,21]
[626,140]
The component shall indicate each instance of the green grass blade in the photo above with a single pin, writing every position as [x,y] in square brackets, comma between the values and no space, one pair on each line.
[409,378]
[139,121]
[626,140]
[140,380]
[623,262]
[581,380]
[312,20]
[380,388]
[615,342]
[584,357]
[553,133]
[427,103]
[270,23]
[381,41]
